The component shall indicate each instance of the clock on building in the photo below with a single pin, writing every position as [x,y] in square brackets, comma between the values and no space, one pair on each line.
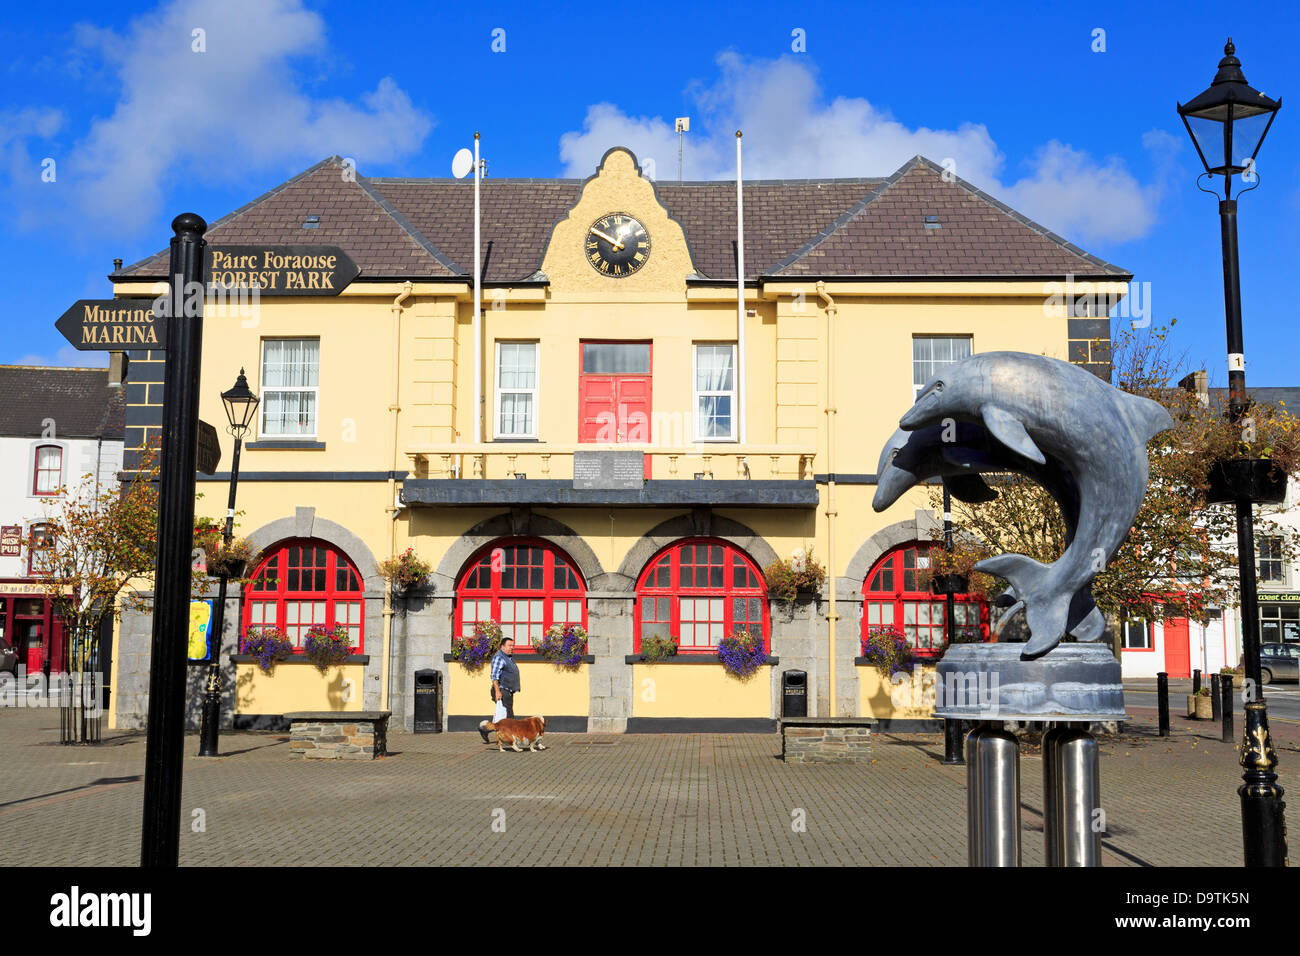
[617,245]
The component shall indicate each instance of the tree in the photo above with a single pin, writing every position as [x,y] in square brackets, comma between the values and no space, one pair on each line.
[1180,557]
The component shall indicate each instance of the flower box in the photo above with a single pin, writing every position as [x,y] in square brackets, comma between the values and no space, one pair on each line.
[1257,480]
[1200,707]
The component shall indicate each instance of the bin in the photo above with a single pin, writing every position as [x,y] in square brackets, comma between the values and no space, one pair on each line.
[428,702]
[794,694]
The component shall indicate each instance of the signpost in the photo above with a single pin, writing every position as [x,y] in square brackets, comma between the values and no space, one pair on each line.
[209,449]
[113,325]
[279,270]
[164,750]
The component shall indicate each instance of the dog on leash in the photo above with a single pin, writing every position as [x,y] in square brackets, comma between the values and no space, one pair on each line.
[526,730]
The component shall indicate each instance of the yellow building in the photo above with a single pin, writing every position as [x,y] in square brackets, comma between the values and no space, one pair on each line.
[609,325]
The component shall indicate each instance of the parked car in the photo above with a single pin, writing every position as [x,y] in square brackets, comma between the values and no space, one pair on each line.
[1279,662]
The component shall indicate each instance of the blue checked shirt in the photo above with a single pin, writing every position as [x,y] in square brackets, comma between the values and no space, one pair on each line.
[505,670]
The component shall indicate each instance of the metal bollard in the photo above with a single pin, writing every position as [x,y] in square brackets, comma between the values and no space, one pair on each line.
[1196,681]
[993,798]
[1225,688]
[952,742]
[1051,794]
[1216,710]
[1078,797]
[972,795]
[1162,701]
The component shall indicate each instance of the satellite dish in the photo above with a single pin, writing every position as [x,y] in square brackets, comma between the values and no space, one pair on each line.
[462,163]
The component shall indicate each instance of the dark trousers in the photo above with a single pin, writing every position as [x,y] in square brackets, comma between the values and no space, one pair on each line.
[508,698]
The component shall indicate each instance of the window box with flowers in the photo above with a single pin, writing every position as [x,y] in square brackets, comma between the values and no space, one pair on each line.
[272,680]
[894,681]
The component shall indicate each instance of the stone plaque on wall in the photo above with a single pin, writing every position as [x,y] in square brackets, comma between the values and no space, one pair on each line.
[608,470]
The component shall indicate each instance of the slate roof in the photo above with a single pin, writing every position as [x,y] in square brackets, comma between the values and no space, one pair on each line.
[870,227]
[1288,396]
[79,400]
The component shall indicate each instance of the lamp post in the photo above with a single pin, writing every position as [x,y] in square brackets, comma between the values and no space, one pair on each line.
[241,405]
[1227,124]
[952,739]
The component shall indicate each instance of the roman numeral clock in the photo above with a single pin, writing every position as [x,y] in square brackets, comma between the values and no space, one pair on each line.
[617,245]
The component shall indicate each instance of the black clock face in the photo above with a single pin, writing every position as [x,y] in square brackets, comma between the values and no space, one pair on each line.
[617,245]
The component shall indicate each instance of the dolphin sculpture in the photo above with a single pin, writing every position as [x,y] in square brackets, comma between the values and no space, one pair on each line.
[1041,408]
[958,453]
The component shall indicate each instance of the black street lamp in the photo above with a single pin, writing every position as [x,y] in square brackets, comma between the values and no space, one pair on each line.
[1227,124]
[952,727]
[241,405]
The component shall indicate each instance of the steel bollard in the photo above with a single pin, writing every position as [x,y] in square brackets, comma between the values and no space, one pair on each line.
[1225,688]
[1216,709]
[1078,797]
[1051,794]
[1162,701]
[993,766]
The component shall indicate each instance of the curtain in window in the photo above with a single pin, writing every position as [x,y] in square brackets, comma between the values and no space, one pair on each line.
[714,373]
[290,376]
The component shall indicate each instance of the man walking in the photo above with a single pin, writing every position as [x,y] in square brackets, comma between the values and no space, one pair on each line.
[505,681]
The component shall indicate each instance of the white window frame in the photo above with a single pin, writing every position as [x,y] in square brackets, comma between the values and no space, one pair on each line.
[916,388]
[535,391]
[265,405]
[697,394]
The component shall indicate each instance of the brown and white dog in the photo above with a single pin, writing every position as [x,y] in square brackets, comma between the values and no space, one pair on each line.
[527,730]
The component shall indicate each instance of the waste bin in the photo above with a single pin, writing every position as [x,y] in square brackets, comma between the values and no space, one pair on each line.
[794,694]
[428,702]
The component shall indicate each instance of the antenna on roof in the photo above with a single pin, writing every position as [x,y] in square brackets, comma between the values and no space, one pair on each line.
[683,126]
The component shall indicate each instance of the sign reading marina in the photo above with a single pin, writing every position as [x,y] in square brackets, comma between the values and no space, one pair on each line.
[113,325]
[279,270]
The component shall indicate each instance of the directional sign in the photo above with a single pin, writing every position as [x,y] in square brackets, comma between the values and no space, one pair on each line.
[113,325]
[209,449]
[279,270]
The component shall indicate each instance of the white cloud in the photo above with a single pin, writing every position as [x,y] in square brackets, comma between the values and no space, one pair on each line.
[219,115]
[65,357]
[791,130]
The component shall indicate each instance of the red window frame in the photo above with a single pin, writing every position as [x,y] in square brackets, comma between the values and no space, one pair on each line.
[528,569]
[44,529]
[891,573]
[37,470]
[663,579]
[272,580]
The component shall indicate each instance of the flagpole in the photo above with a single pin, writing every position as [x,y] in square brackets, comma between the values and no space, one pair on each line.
[740,298]
[478,298]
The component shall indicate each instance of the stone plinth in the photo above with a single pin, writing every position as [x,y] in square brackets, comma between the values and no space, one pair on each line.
[339,735]
[1071,682]
[826,739]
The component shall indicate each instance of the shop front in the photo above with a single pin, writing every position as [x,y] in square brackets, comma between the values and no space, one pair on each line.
[28,625]
[1279,617]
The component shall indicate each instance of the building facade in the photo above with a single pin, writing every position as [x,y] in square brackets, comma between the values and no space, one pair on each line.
[61,433]
[609,323]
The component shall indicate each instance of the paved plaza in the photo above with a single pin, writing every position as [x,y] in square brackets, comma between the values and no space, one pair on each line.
[594,799]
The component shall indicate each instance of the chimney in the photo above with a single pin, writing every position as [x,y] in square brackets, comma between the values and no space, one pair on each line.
[117,265]
[118,364]
[1197,382]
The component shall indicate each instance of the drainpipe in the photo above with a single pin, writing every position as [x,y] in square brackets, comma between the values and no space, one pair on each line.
[832,615]
[393,409]
[742,409]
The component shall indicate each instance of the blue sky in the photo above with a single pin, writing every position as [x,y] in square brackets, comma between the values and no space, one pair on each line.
[142,127]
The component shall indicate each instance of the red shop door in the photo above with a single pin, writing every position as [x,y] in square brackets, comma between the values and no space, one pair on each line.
[614,408]
[1178,656]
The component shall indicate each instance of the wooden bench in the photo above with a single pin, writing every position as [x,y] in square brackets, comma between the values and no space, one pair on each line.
[826,739]
[339,735]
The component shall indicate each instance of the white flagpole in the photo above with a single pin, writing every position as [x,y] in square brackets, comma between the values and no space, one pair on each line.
[740,298]
[478,299]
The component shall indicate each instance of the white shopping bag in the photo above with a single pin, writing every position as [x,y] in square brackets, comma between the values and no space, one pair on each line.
[500,712]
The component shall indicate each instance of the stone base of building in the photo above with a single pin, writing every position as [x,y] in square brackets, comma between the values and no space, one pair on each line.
[826,739]
[700,725]
[332,736]
[461,723]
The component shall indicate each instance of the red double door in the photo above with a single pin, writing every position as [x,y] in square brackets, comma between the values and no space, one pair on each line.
[614,394]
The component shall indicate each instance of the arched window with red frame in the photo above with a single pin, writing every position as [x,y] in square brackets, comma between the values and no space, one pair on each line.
[892,596]
[525,585]
[700,591]
[303,583]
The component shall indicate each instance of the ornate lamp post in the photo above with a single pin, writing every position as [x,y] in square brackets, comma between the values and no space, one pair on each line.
[1227,124]
[952,738]
[241,405]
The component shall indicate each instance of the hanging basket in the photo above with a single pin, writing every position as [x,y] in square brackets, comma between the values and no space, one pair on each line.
[220,567]
[1257,480]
